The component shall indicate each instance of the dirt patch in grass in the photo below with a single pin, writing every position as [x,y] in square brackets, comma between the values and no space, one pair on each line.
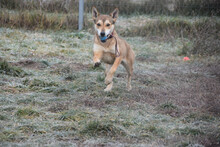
[95,103]
[59,107]
[32,64]
[146,58]
[69,68]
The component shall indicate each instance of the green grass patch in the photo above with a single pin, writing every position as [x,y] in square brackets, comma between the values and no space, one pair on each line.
[198,117]
[27,113]
[167,105]
[185,48]
[38,83]
[3,117]
[170,109]
[7,69]
[27,128]
[85,85]
[78,35]
[63,128]
[68,51]
[60,91]
[115,93]
[92,68]
[149,81]
[25,101]
[71,77]
[9,109]
[152,130]
[189,131]
[99,128]
[8,136]
[74,115]
[100,78]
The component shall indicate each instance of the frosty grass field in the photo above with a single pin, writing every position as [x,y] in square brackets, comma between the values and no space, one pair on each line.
[50,94]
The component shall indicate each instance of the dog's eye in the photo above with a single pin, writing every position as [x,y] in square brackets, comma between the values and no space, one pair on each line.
[98,24]
[107,24]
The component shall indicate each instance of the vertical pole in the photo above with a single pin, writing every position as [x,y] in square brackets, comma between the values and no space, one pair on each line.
[81,10]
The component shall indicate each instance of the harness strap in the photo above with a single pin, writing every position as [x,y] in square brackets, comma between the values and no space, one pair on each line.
[117,53]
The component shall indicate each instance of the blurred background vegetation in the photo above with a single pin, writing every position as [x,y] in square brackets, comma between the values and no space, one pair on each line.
[197,20]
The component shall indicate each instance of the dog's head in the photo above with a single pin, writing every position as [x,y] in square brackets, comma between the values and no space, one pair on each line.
[104,24]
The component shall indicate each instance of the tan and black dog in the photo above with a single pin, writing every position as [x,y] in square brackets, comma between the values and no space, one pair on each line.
[110,48]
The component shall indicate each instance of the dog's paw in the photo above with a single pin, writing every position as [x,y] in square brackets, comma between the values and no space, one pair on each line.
[129,87]
[97,64]
[109,87]
[108,80]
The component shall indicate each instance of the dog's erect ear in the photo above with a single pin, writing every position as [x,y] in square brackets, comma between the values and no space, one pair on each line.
[114,14]
[95,13]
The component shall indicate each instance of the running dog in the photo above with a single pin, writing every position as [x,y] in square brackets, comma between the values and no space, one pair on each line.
[110,48]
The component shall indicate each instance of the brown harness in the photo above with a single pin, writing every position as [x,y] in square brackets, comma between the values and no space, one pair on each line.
[117,53]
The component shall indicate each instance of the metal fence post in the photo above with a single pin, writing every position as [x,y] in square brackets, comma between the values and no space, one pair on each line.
[81,10]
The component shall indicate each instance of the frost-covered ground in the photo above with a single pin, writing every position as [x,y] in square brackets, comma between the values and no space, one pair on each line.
[52,96]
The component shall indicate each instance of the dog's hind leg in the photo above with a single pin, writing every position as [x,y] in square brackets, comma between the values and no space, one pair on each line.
[109,86]
[109,77]
[129,68]
[107,68]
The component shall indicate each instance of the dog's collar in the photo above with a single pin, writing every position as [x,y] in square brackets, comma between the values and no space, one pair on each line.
[109,36]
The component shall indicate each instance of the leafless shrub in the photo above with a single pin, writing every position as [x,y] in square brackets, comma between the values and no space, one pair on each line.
[206,38]
[177,7]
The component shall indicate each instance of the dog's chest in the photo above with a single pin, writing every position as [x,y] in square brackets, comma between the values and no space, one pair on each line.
[108,53]
[107,49]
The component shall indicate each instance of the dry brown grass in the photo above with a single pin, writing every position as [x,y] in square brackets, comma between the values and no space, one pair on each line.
[38,20]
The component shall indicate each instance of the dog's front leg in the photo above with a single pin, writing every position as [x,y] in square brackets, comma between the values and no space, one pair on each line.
[109,77]
[97,56]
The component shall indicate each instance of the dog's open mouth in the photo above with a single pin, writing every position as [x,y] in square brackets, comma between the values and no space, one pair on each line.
[103,39]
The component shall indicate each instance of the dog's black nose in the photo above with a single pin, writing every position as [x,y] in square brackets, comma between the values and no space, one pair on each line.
[102,34]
